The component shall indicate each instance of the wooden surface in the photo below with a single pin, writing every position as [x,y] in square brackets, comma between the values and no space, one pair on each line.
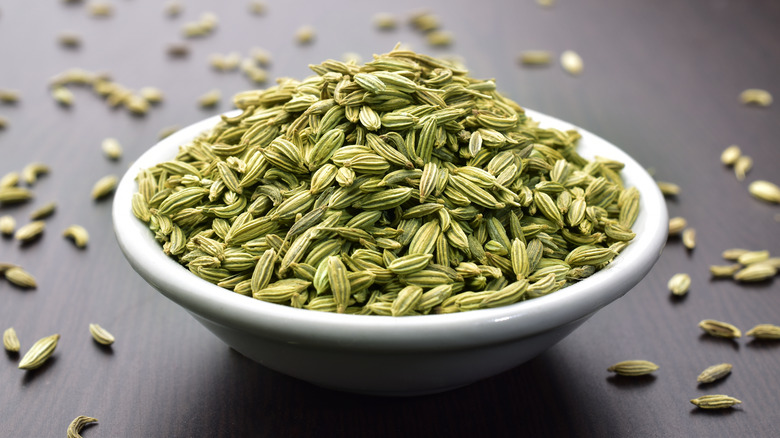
[661,80]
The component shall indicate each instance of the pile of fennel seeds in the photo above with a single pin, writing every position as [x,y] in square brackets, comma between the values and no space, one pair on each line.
[398,187]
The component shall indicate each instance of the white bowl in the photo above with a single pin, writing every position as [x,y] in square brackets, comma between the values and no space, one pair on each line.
[386,355]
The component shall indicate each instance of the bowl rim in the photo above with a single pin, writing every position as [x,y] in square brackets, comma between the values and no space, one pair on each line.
[374,332]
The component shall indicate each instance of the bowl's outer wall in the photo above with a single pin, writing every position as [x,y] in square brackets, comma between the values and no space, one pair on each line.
[389,373]
[474,344]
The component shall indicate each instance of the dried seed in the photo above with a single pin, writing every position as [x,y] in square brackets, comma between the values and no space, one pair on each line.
[765,191]
[43,211]
[13,195]
[409,264]
[258,7]
[535,57]
[10,179]
[720,329]
[63,96]
[30,231]
[69,39]
[101,335]
[677,225]
[407,300]
[755,96]
[734,253]
[210,98]
[39,352]
[721,271]
[679,284]
[730,155]
[742,166]
[714,373]
[715,401]
[9,96]
[689,238]
[755,272]
[151,94]
[424,21]
[668,189]
[173,8]
[385,21]
[339,283]
[78,234]
[304,35]
[31,172]
[571,62]
[439,38]
[750,257]
[104,187]
[10,340]
[20,277]
[3,123]
[111,148]
[100,9]
[178,50]
[7,225]
[764,331]
[260,56]
[633,368]
[78,423]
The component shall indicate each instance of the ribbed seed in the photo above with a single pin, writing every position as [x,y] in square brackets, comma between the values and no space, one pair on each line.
[44,211]
[32,171]
[715,401]
[755,272]
[101,335]
[689,238]
[30,231]
[668,188]
[730,155]
[765,191]
[407,300]
[104,187]
[40,351]
[20,277]
[724,270]
[78,234]
[734,253]
[589,255]
[720,329]
[14,195]
[633,368]
[508,295]
[11,341]
[677,225]
[78,423]
[714,372]
[750,257]
[679,284]
[409,264]
[424,241]
[742,166]
[765,331]
[339,283]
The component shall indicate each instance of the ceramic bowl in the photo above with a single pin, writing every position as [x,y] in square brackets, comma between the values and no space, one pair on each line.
[385,355]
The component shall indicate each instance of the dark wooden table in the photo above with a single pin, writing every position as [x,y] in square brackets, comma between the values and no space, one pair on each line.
[661,80]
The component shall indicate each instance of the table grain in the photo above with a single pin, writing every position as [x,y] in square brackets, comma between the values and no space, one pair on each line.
[661,80]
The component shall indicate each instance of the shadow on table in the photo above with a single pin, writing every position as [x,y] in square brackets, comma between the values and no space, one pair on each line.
[242,398]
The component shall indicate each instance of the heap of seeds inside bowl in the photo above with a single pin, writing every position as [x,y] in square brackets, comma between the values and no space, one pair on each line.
[398,187]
